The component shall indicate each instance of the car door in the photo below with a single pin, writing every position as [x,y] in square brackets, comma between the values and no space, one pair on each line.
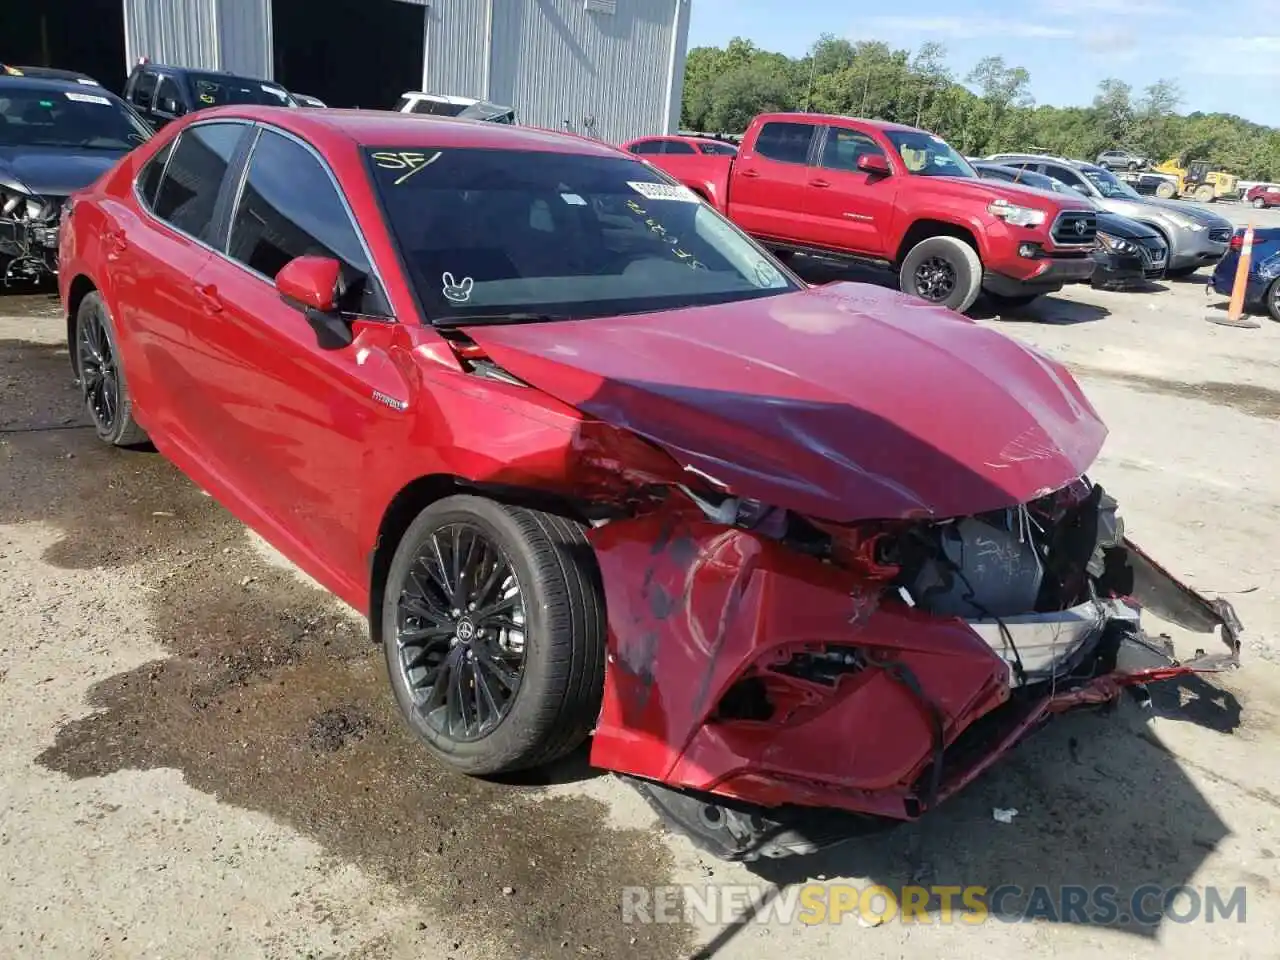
[292,416]
[770,180]
[171,101]
[141,92]
[153,257]
[846,208]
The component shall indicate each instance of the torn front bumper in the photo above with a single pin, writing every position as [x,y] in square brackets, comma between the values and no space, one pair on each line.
[740,668]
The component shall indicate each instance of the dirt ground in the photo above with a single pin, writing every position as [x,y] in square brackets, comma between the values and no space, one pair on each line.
[199,755]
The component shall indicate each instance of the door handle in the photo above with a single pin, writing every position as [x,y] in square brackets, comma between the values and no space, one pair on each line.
[750,173]
[819,183]
[208,294]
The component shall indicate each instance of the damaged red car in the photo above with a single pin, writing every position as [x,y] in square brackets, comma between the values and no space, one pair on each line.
[595,465]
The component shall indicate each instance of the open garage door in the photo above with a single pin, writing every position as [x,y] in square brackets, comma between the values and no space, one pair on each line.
[349,53]
[83,35]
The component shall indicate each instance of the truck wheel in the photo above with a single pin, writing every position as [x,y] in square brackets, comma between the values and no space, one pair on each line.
[493,628]
[1166,190]
[942,270]
[1204,193]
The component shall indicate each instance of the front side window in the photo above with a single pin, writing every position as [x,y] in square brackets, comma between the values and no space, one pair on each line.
[500,236]
[926,155]
[647,147]
[844,147]
[169,98]
[78,119]
[216,90]
[290,208]
[785,142]
[194,175]
[677,146]
[438,108]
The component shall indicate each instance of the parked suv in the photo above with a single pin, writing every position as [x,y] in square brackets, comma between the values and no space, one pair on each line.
[1195,237]
[162,93]
[1121,160]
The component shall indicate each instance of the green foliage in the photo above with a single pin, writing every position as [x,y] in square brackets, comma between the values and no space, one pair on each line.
[992,110]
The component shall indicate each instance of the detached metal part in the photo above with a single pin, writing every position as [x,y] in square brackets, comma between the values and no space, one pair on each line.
[28,237]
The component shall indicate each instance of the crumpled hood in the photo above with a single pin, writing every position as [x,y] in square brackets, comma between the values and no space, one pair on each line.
[55,171]
[845,402]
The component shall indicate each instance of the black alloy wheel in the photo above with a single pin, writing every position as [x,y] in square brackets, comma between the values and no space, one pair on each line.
[101,376]
[461,633]
[492,623]
[935,279]
[99,372]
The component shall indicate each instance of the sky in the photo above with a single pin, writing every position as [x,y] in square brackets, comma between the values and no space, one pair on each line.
[1225,54]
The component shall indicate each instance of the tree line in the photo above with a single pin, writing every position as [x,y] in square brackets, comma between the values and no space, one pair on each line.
[992,110]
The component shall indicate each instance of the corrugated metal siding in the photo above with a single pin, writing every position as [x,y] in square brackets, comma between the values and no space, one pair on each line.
[244,37]
[557,61]
[179,32]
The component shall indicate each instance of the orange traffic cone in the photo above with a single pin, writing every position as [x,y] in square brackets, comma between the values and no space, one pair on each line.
[1235,306]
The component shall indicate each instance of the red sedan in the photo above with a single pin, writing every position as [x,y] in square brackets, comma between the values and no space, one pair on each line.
[1263,195]
[593,463]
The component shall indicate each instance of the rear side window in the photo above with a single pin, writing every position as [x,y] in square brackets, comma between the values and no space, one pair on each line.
[647,146]
[677,146]
[785,142]
[149,179]
[290,208]
[189,190]
[144,88]
[1069,177]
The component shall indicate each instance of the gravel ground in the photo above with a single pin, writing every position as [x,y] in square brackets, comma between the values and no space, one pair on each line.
[200,756]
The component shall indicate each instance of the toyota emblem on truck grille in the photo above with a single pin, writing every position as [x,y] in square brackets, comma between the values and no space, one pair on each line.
[1081,228]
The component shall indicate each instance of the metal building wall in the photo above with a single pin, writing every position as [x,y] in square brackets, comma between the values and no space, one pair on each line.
[230,35]
[560,60]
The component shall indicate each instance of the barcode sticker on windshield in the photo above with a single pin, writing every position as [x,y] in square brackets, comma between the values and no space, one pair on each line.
[663,191]
[88,98]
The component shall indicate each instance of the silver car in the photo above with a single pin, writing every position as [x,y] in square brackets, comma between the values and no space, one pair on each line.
[1195,237]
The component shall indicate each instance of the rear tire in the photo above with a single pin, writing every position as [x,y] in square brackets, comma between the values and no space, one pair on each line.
[1204,193]
[942,270]
[1259,203]
[522,704]
[1166,190]
[101,377]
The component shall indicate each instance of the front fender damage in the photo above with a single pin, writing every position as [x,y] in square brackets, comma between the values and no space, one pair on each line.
[742,671]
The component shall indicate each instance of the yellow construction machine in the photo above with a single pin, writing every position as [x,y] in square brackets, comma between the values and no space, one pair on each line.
[1194,180]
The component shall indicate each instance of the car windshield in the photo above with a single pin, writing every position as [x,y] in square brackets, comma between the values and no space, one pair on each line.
[83,119]
[929,156]
[1110,186]
[493,236]
[214,90]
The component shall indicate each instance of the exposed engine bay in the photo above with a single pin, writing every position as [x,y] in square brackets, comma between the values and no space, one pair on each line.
[28,237]
[830,675]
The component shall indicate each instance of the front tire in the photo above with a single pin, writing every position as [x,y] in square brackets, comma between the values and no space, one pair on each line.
[1273,300]
[1166,190]
[494,634]
[101,377]
[942,270]
[1259,203]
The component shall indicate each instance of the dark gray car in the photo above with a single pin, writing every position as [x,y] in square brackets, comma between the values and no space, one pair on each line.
[1195,237]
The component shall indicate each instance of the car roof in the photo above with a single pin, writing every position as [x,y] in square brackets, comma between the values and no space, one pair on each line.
[392,129]
[183,71]
[55,86]
[793,116]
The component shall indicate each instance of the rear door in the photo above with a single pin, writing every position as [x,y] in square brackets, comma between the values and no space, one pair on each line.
[847,209]
[770,181]
[153,260]
[291,417]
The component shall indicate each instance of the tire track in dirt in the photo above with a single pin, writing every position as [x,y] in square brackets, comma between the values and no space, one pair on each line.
[274,700]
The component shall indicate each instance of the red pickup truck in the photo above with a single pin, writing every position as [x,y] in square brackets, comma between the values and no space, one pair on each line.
[811,183]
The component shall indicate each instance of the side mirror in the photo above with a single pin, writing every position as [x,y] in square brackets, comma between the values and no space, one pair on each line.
[313,284]
[874,163]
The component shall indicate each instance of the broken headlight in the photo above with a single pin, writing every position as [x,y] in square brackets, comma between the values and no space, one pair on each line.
[18,205]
